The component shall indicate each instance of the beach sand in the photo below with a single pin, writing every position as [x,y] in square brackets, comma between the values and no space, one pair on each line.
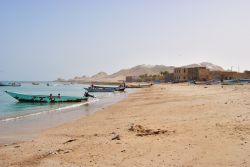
[177,125]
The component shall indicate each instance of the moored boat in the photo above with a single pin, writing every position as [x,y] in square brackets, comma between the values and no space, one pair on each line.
[235,82]
[46,98]
[48,84]
[139,85]
[15,84]
[35,83]
[210,82]
[93,88]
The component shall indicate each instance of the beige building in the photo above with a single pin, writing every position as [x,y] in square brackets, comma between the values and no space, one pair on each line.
[198,74]
[180,74]
[228,75]
[183,74]
[133,79]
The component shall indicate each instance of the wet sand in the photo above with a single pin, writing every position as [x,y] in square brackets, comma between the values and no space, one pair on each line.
[165,125]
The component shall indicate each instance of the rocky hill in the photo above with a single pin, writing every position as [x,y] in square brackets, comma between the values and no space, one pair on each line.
[210,66]
[143,69]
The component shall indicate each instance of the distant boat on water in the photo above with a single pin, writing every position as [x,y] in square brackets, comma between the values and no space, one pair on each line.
[48,84]
[35,83]
[15,84]
[47,98]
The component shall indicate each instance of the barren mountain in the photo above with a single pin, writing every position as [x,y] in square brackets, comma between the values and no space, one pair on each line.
[143,69]
[100,75]
[210,66]
[140,70]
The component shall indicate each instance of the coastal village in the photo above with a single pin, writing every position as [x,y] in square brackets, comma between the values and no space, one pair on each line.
[201,72]
[185,74]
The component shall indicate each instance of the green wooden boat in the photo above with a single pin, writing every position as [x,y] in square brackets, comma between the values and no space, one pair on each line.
[46,99]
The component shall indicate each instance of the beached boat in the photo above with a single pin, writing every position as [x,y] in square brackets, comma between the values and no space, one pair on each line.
[235,82]
[210,82]
[139,86]
[15,84]
[104,89]
[46,98]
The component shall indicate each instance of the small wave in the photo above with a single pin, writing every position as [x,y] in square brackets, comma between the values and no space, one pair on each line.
[47,111]
[76,105]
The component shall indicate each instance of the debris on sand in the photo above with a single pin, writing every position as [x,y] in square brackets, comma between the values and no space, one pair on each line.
[116,137]
[142,131]
[61,151]
[69,141]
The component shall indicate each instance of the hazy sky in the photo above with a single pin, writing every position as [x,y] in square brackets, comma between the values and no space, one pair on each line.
[46,39]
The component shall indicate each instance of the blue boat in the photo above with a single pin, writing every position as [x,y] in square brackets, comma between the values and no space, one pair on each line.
[235,82]
[46,98]
[15,84]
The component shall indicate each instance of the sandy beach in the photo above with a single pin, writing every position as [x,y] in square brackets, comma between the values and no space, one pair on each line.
[177,125]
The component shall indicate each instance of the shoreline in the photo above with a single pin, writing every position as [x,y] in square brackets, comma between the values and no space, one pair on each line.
[164,125]
[27,127]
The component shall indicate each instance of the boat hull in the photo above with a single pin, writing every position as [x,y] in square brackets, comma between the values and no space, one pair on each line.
[139,86]
[104,89]
[236,82]
[14,84]
[90,89]
[44,98]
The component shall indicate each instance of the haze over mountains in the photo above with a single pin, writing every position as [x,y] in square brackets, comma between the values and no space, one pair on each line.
[140,70]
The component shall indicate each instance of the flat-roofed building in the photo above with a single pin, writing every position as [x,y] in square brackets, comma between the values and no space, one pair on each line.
[228,75]
[198,74]
[133,79]
[180,74]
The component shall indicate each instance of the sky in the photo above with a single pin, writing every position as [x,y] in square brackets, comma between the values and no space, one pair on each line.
[47,39]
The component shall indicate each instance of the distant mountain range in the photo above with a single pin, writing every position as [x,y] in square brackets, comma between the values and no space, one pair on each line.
[139,70]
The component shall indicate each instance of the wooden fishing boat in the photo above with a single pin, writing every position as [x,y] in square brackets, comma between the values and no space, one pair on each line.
[48,84]
[35,83]
[210,82]
[15,84]
[235,82]
[104,89]
[4,84]
[46,98]
[139,86]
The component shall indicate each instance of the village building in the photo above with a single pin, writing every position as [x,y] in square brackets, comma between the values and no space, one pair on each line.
[228,75]
[133,79]
[183,74]
[180,74]
[198,74]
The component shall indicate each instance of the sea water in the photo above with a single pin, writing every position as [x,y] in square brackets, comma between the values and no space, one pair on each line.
[10,108]
[19,120]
